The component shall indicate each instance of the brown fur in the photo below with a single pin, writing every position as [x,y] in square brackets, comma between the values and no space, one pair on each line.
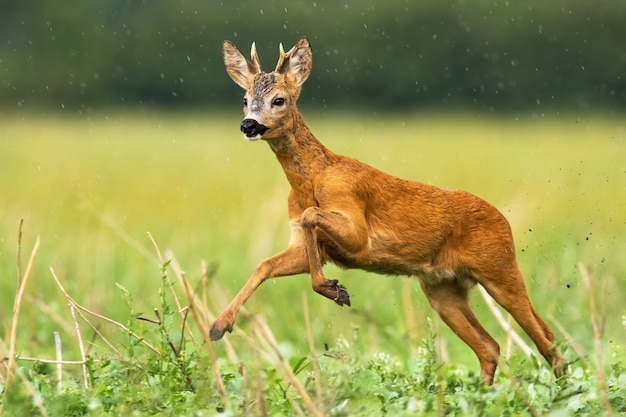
[353,215]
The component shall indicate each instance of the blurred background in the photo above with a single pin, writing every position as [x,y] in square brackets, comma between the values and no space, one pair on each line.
[496,56]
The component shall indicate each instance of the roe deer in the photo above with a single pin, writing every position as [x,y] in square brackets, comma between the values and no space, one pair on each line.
[355,216]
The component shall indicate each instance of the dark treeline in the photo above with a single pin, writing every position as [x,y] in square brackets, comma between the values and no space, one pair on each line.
[488,55]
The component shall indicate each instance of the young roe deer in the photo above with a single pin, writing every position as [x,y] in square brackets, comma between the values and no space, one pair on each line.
[355,216]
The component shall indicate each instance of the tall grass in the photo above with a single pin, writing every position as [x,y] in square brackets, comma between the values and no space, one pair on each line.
[91,187]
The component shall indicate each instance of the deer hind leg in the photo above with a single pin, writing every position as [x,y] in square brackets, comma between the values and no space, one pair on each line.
[347,236]
[510,292]
[450,300]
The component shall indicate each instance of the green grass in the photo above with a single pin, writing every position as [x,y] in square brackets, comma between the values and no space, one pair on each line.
[92,186]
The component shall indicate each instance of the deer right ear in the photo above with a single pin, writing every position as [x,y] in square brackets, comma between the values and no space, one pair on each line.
[239,68]
[300,61]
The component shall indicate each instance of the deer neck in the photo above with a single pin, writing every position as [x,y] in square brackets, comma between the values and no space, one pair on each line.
[301,155]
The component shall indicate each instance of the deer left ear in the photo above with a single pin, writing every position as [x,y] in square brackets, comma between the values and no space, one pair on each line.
[239,68]
[300,62]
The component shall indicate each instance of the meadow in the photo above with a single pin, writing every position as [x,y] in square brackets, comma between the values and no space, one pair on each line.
[124,208]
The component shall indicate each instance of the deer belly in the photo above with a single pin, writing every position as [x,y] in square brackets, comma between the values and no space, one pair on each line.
[430,260]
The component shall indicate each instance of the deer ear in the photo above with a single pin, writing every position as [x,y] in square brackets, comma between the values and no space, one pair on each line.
[300,62]
[239,68]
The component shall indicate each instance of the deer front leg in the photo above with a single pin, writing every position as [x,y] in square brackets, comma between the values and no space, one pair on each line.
[291,261]
[347,236]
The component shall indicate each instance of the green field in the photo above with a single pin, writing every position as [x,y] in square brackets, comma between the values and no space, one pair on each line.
[92,187]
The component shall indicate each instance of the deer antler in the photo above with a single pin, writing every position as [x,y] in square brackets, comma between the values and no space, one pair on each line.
[255,58]
[283,57]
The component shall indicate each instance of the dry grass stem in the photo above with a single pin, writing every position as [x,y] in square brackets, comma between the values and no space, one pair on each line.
[109,221]
[317,375]
[196,302]
[182,331]
[28,386]
[296,407]
[51,361]
[81,347]
[32,392]
[207,316]
[262,345]
[204,281]
[587,277]
[578,348]
[260,396]
[509,339]
[100,316]
[373,327]
[170,286]
[204,331]
[438,362]
[50,312]
[266,336]
[19,253]
[99,334]
[59,356]
[181,276]
[409,315]
[507,326]
[17,303]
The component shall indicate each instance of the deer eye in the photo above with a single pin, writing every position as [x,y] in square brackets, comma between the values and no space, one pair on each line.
[245,102]
[278,101]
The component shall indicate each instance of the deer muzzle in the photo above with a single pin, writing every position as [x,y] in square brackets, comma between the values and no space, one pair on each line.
[252,129]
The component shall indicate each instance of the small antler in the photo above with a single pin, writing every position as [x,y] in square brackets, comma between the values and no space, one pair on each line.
[255,58]
[283,57]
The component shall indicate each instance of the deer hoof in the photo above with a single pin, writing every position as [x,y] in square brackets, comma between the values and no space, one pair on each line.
[217,332]
[342,297]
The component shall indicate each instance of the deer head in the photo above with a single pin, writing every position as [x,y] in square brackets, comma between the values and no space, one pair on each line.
[270,99]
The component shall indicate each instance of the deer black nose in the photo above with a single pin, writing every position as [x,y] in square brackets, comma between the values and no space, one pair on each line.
[251,128]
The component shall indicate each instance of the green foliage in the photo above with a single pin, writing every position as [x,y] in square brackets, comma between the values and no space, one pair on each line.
[381,385]
[166,382]
[385,386]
